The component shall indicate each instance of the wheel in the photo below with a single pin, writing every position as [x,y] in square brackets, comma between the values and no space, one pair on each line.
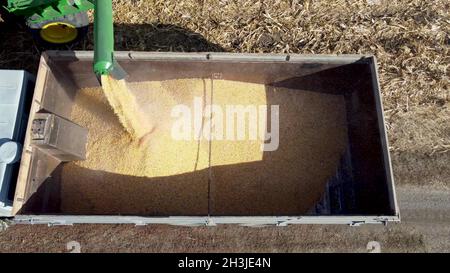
[60,31]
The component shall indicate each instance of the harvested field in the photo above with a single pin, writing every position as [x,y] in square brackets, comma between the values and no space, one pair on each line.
[409,38]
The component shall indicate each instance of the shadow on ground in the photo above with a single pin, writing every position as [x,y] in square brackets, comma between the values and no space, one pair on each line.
[18,50]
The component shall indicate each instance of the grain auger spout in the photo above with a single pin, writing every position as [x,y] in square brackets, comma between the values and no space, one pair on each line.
[104,61]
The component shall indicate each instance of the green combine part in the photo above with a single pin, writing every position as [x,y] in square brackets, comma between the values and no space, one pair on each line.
[104,62]
[54,22]
[38,11]
[58,22]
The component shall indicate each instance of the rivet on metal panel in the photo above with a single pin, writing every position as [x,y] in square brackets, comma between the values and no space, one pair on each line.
[356,223]
[282,224]
[210,223]
[37,129]
[217,76]
[59,223]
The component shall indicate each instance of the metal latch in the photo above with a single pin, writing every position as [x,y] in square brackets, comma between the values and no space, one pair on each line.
[59,137]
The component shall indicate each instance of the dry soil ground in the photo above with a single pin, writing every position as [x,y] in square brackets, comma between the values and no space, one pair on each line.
[411,40]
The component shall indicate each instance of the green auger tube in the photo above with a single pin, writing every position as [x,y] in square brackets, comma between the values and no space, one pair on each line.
[104,62]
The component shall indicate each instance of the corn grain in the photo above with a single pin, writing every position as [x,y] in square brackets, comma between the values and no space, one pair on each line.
[165,176]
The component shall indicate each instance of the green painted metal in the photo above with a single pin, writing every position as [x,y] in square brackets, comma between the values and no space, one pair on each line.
[103,37]
[42,10]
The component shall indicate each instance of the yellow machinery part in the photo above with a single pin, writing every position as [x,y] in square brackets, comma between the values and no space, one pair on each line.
[58,32]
